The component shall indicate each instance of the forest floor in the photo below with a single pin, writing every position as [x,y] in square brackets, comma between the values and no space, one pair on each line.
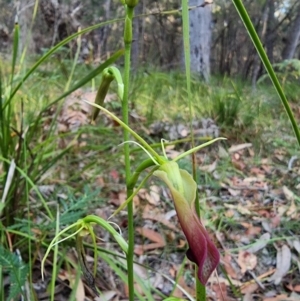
[248,190]
[249,197]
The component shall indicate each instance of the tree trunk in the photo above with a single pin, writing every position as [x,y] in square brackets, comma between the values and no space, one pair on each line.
[270,31]
[257,61]
[292,39]
[200,39]
[25,15]
[135,53]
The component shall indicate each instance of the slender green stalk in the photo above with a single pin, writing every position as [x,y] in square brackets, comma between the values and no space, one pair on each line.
[130,254]
[55,259]
[75,61]
[27,190]
[265,60]
[200,288]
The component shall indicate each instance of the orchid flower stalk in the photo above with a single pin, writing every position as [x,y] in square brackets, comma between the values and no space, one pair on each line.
[202,250]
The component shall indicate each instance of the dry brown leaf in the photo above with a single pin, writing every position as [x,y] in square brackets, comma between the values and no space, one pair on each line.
[234,192]
[288,193]
[243,210]
[253,231]
[247,261]
[220,290]
[284,257]
[80,293]
[152,214]
[183,285]
[249,288]
[248,297]
[154,195]
[219,279]
[237,163]
[150,234]
[229,267]
[258,172]
[209,168]
[292,210]
[229,213]
[71,277]
[236,148]
[296,245]
[293,288]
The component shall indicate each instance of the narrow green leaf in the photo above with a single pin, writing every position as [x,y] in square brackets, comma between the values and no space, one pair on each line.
[88,77]
[265,60]
[53,50]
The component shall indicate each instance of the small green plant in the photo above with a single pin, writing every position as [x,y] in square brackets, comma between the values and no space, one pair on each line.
[17,271]
[26,152]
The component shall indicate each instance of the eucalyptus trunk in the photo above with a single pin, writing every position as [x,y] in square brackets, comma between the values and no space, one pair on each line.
[292,38]
[200,38]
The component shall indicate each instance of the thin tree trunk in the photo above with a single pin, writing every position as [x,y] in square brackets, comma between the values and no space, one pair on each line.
[257,62]
[270,31]
[292,39]
[200,38]
[25,15]
[136,37]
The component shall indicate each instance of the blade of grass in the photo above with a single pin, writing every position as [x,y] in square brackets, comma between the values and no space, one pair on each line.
[53,50]
[50,215]
[88,77]
[265,60]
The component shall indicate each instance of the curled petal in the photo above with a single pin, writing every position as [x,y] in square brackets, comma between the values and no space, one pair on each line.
[202,250]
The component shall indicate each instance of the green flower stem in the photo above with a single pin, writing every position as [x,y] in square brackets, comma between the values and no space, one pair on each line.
[265,60]
[145,164]
[134,193]
[130,254]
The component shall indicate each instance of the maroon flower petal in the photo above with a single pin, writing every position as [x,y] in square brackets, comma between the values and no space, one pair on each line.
[202,250]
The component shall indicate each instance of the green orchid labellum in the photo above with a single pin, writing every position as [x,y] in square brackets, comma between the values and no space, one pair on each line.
[202,250]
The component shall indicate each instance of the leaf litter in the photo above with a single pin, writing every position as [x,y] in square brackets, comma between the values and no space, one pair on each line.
[254,206]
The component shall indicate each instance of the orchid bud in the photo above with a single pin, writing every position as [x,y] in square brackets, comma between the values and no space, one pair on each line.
[128,31]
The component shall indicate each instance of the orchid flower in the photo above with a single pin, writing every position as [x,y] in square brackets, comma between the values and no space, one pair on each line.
[202,250]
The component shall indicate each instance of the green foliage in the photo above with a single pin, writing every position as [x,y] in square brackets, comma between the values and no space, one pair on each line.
[266,62]
[20,134]
[288,73]
[17,270]
[28,152]
[226,108]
